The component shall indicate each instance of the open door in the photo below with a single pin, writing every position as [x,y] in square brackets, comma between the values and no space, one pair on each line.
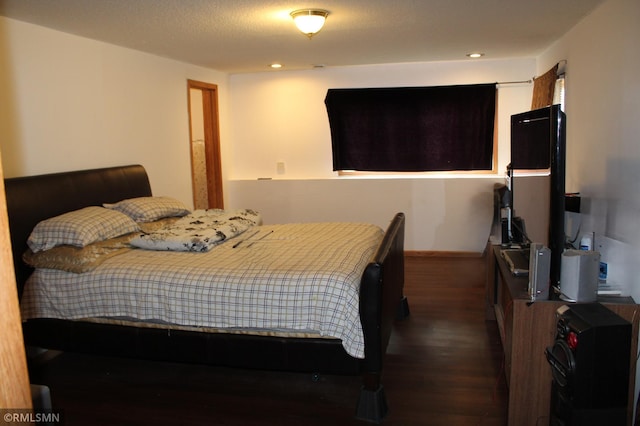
[204,135]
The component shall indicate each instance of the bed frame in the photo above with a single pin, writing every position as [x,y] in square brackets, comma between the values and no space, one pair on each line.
[34,198]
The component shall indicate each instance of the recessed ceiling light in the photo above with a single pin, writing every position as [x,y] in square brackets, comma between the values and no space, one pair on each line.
[276,66]
[475,55]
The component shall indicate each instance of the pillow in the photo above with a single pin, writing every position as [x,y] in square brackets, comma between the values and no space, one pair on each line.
[78,259]
[156,225]
[148,209]
[80,228]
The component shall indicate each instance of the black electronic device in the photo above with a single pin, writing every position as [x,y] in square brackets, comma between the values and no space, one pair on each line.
[590,361]
[531,140]
[514,231]
[538,143]
[513,227]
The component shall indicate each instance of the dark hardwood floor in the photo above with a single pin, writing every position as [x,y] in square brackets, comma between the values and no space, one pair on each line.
[443,367]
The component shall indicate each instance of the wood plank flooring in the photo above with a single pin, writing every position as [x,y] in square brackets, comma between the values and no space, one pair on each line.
[443,367]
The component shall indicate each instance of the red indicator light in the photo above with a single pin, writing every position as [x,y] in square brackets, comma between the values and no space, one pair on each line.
[572,340]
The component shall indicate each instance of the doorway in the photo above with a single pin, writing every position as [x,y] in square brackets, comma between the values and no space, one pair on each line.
[204,136]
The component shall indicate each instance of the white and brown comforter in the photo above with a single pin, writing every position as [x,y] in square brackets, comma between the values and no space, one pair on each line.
[199,231]
[298,277]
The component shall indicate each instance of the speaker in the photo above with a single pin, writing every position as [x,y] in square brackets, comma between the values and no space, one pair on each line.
[539,267]
[579,275]
[590,361]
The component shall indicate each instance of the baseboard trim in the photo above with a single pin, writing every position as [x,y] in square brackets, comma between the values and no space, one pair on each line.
[425,253]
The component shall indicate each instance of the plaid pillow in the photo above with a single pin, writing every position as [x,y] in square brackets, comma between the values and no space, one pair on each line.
[148,209]
[80,228]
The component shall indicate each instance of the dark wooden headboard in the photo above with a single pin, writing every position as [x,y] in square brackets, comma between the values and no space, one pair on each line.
[31,199]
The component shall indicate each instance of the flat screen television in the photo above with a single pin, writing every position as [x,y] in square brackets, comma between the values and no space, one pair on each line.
[538,142]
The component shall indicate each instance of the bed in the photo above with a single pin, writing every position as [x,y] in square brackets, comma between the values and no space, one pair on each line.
[380,299]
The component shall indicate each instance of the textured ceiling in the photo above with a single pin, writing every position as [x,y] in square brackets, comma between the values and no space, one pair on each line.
[247,35]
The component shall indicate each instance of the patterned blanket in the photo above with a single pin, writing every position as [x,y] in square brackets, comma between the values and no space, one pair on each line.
[199,231]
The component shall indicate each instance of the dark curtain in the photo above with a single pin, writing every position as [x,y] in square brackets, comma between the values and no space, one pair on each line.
[412,129]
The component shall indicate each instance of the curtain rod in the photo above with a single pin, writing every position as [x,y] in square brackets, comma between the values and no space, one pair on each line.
[515,82]
[561,66]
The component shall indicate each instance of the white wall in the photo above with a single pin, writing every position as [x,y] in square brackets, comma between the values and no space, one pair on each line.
[603,133]
[73,103]
[69,102]
[603,142]
[455,213]
[280,117]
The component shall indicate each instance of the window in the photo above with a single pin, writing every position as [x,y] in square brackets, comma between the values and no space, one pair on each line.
[414,129]
[559,91]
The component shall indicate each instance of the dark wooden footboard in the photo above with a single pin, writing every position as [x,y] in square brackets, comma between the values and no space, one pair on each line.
[35,198]
[381,298]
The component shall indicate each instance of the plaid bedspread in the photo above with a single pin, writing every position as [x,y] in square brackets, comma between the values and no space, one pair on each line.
[298,277]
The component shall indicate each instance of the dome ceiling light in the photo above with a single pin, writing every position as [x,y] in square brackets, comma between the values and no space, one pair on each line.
[309,21]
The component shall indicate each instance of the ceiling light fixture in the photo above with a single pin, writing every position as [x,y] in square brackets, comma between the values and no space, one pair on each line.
[309,21]
[475,55]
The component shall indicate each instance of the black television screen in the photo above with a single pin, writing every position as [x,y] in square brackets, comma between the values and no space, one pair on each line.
[531,140]
[538,141]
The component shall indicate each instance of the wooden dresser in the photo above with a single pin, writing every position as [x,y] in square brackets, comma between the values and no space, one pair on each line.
[527,328]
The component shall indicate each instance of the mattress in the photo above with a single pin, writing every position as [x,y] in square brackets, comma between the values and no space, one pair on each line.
[302,278]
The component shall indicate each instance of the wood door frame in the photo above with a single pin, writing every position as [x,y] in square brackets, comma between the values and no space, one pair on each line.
[211,142]
[15,392]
